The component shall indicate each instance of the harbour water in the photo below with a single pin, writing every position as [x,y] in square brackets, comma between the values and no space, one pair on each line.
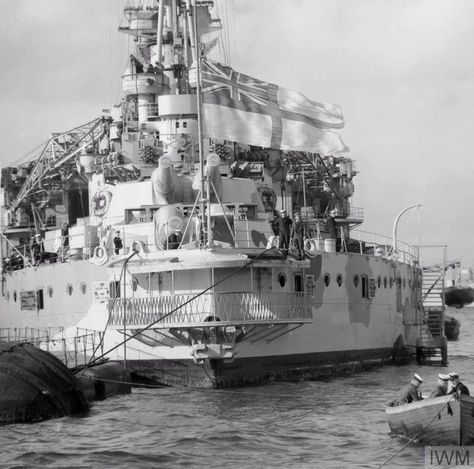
[334,423]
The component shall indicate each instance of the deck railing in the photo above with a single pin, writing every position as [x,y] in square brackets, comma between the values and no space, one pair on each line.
[73,350]
[230,307]
[383,245]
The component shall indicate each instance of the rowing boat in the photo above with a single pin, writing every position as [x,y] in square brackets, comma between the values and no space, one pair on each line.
[445,420]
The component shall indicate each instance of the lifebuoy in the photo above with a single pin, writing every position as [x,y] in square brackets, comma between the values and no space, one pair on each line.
[100,256]
[273,242]
[311,247]
[137,246]
[100,203]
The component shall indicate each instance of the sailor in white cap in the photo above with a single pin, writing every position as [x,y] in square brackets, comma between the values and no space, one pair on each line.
[457,386]
[410,393]
[441,388]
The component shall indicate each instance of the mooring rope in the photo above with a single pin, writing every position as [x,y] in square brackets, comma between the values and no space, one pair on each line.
[220,391]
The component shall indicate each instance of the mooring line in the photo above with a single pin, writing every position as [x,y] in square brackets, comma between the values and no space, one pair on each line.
[220,391]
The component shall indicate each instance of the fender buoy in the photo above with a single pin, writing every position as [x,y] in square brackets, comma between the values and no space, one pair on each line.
[311,247]
[273,242]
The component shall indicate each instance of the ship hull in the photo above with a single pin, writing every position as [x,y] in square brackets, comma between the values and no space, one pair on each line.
[343,329]
[256,370]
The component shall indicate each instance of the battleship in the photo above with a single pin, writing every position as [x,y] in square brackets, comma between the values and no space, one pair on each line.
[149,235]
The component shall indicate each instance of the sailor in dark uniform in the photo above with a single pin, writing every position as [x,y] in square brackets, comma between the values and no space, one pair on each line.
[457,386]
[441,389]
[297,236]
[410,393]
[284,231]
[117,242]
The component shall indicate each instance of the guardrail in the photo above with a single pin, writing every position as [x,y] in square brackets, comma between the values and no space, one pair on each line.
[28,334]
[405,253]
[229,307]
[72,350]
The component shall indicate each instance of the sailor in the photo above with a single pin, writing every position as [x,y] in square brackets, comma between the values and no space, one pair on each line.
[297,235]
[64,239]
[117,242]
[457,386]
[65,234]
[441,389]
[410,393]
[274,221]
[331,227]
[284,230]
[37,248]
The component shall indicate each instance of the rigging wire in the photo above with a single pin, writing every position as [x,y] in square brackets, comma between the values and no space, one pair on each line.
[222,39]
[419,225]
[149,326]
[101,341]
[111,61]
[24,157]
[227,33]
[234,40]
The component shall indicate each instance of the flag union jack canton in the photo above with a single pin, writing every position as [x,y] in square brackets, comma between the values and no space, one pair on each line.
[243,109]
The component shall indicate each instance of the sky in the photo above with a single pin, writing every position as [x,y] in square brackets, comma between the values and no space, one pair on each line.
[402,70]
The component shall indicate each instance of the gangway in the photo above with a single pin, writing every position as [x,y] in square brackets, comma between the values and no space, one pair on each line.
[432,344]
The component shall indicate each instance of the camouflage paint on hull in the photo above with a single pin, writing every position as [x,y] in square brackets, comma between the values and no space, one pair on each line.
[361,307]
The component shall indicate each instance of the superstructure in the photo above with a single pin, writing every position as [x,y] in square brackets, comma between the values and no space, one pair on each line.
[199,288]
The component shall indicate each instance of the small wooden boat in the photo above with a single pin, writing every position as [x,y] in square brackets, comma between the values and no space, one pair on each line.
[451,328]
[457,296]
[445,420]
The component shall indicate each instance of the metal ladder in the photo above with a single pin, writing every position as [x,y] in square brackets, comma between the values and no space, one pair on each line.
[431,349]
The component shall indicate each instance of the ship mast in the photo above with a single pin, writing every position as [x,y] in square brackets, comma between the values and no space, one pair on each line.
[206,230]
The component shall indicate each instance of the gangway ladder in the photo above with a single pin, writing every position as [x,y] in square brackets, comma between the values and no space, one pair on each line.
[432,345]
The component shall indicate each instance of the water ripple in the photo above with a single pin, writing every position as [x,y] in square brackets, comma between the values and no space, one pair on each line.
[330,423]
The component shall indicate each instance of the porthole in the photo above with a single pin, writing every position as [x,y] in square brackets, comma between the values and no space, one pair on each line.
[356,280]
[385,282]
[282,280]
[391,282]
[379,281]
[69,289]
[83,287]
[14,296]
[327,279]
[339,280]
[50,291]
